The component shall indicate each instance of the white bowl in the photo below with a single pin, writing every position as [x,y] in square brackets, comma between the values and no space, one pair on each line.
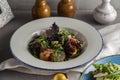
[21,38]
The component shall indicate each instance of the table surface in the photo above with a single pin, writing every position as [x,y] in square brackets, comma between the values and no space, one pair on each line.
[22,18]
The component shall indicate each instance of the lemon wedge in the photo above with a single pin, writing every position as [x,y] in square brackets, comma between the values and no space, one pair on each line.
[60,76]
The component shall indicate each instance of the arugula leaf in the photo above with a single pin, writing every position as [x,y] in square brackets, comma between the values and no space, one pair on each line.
[57,54]
[64,34]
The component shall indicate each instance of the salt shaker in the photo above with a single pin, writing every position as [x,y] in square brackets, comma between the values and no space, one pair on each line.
[66,8]
[41,9]
[105,13]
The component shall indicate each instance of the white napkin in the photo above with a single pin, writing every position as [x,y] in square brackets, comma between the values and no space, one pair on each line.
[111,37]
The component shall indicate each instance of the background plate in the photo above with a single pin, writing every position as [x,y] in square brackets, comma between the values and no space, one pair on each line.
[87,73]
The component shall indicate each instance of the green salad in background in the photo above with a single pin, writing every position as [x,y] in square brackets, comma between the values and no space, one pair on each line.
[107,71]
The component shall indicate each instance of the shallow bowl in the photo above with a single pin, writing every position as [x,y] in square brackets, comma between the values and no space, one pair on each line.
[22,36]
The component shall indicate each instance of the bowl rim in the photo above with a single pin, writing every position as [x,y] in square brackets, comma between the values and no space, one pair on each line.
[68,68]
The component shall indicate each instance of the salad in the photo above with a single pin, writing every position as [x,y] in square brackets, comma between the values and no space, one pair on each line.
[107,71]
[55,45]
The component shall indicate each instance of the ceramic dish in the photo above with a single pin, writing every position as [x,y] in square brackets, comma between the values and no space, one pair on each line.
[20,39]
[87,75]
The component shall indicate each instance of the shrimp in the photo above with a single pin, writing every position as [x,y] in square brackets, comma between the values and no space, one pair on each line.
[47,54]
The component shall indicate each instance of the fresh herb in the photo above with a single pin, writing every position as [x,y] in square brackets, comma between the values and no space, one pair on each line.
[65,35]
[41,40]
[57,55]
[112,69]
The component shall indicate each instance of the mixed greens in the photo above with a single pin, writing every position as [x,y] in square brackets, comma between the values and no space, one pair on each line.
[55,45]
[107,71]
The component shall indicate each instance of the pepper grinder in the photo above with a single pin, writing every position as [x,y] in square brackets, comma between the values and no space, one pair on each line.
[41,9]
[105,13]
[66,8]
